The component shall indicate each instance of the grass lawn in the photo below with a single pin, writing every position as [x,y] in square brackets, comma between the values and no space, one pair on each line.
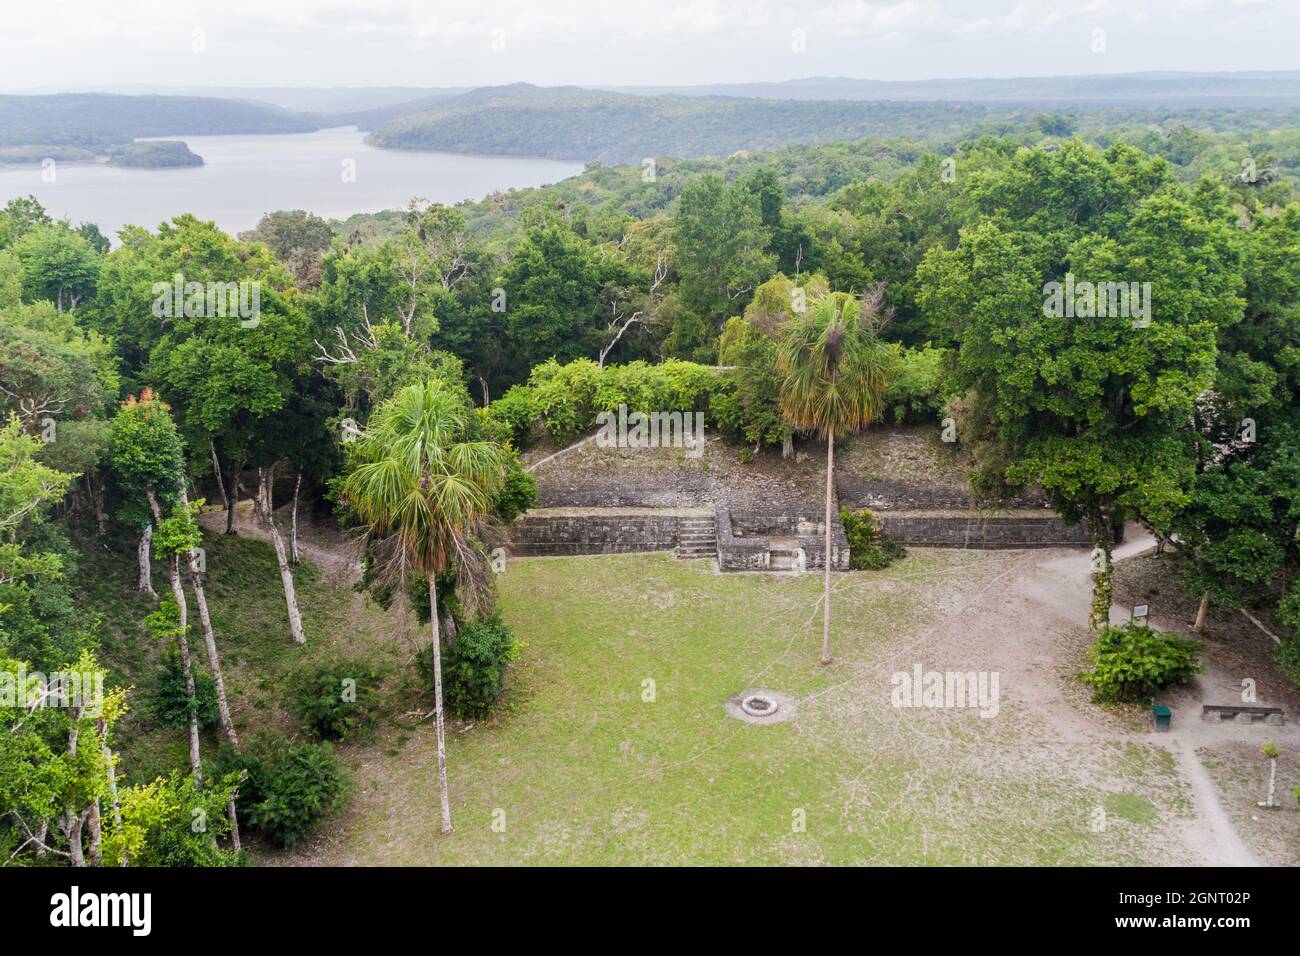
[579,767]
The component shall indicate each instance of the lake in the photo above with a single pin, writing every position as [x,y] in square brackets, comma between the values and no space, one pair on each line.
[329,172]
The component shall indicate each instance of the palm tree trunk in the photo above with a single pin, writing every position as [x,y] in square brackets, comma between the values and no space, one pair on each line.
[437,705]
[826,579]
[1201,611]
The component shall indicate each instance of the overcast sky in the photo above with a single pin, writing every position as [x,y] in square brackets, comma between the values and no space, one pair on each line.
[87,43]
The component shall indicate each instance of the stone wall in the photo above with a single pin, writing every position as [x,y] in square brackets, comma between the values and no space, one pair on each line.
[744,540]
[548,531]
[1029,529]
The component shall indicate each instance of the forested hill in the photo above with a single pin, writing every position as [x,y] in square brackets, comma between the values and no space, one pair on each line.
[1255,87]
[96,119]
[575,123]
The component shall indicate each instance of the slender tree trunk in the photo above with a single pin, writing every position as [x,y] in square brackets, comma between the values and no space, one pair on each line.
[182,639]
[146,570]
[96,489]
[115,804]
[233,500]
[1201,611]
[72,822]
[216,471]
[262,503]
[72,819]
[1272,782]
[95,832]
[826,579]
[437,705]
[295,556]
[282,559]
[1102,572]
[787,445]
[210,639]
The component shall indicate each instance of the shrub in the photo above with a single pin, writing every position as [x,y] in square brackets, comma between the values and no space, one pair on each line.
[290,787]
[870,549]
[158,824]
[511,417]
[336,699]
[1133,661]
[168,702]
[1288,657]
[915,392]
[516,495]
[564,396]
[473,666]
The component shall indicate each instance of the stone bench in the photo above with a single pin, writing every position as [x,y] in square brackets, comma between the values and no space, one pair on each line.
[1242,713]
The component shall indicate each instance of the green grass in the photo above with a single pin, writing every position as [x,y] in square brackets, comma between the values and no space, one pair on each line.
[583,770]
[248,611]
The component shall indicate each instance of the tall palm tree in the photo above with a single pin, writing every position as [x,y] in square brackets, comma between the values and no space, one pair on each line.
[424,491]
[834,371]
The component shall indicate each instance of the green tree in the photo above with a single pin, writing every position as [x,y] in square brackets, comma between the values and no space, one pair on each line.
[834,372]
[423,491]
[58,264]
[1093,407]
[721,245]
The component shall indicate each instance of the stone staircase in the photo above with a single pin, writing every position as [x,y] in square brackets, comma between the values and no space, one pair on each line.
[697,537]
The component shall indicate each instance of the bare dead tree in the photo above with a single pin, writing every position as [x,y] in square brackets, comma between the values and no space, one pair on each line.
[621,321]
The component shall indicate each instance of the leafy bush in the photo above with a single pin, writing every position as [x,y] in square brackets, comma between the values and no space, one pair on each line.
[168,701]
[473,666]
[915,392]
[290,787]
[748,410]
[1288,653]
[1133,661]
[870,549]
[512,416]
[336,699]
[516,495]
[172,822]
[566,398]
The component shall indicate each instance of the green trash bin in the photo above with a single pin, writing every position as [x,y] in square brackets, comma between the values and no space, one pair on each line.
[1160,715]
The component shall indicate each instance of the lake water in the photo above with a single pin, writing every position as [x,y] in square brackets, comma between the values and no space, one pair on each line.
[246,176]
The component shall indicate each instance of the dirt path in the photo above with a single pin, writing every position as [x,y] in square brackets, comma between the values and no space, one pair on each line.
[1061,583]
[338,556]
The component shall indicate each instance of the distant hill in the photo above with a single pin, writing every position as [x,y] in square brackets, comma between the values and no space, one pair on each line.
[97,120]
[308,99]
[574,123]
[1154,89]
[577,123]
